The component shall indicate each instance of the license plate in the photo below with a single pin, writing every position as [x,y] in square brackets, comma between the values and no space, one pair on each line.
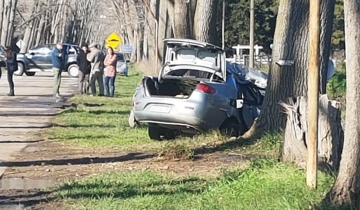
[161,109]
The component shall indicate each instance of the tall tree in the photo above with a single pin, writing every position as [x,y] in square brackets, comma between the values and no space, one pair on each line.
[291,44]
[205,21]
[346,189]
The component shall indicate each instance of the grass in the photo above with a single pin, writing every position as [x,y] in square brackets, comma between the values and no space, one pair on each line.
[267,184]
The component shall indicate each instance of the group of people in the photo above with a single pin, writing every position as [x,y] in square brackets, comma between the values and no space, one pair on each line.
[93,66]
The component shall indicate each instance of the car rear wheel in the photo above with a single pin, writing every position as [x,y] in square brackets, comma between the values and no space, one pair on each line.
[73,70]
[154,132]
[30,74]
[20,70]
[230,128]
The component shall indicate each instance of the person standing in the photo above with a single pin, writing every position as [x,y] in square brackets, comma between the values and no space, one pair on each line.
[84,70]
[96,58]
[110,72]
[11,65]
[57,58]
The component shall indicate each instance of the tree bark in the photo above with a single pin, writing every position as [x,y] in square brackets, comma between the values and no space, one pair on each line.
[330,135]
[181,20]
[346,190]
[205,21]
[290,44]
[5,22]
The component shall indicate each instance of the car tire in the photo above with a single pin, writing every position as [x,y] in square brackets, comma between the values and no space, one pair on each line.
[21,69]
[73,70]
[230,128]
[154,132]
[30,74]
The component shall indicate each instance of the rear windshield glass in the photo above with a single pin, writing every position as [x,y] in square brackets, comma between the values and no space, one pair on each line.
[120,57]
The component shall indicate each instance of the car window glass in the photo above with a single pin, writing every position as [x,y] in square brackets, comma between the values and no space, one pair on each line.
[120,57]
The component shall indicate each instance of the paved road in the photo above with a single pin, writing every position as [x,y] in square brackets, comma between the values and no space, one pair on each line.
[29,111]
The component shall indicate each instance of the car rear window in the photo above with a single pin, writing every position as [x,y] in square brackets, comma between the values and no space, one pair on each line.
[120,57]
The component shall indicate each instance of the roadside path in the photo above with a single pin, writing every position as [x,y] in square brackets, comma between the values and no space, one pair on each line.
[29,111]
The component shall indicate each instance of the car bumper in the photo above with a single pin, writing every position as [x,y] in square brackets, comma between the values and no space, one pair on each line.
[182,116]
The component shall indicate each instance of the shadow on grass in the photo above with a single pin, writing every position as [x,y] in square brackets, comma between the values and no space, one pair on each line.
[24,199]
[96,112]
[78,161]
[227,145]
[82,126]
[120,190]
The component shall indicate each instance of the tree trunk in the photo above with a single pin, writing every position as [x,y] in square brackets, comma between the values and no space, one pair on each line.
[205,21]
[290,44]
[1,16]
[40,29]
[326,18]
[330,136]
[181,20]
[5,22]
[346,190]
[11,21]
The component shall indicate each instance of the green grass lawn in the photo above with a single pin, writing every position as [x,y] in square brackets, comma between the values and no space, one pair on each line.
[267,184]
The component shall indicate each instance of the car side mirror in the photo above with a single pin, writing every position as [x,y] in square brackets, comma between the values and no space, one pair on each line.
[127,61]
[32,53]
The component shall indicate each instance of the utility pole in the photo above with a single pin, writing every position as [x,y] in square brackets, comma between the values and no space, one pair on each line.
[313,93]
[223,25]
[252,26]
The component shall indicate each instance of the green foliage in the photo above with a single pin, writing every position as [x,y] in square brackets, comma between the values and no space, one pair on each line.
[266,184]
[337,85]
[237,22]
[338,36]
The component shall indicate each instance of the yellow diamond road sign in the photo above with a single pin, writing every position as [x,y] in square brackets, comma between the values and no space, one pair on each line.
[113,40]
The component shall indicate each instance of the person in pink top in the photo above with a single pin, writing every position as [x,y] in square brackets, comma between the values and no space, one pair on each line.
[110,72]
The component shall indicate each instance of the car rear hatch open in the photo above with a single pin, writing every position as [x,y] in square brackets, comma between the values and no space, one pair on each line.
[187,52]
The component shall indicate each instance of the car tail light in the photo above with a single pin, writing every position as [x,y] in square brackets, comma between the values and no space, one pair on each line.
[205,88]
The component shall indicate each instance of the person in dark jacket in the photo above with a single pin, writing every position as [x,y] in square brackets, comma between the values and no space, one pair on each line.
[84,70]
[11,65]
[57,58]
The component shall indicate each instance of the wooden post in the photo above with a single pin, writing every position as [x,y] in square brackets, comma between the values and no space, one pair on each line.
[252,29]
[313,93]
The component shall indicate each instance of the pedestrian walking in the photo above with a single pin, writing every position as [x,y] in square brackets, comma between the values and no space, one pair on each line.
[96,58]
[110,72]
[11,65]
[57,58]
[84,70]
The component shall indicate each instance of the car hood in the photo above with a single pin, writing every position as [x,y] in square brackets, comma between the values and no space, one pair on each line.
[192,52]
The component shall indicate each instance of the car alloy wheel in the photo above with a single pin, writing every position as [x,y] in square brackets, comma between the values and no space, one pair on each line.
[73,70]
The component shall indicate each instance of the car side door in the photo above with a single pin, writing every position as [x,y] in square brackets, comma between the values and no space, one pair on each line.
[36,57]
[47,57]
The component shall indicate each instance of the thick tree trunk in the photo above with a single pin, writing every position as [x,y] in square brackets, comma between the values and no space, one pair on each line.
[346,190]
[326,18]
[205,21]
[11,22]
[181,20]
[290,44]
[330,137]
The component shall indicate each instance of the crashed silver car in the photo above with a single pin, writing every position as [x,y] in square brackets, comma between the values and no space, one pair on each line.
[196,90]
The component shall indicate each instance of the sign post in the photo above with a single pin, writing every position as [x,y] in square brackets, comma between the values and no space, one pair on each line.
[113,40]
[313,93]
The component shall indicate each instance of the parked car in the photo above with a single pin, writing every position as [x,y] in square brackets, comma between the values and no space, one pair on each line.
[122,64]
[196,91]
[2,53]
[39,59]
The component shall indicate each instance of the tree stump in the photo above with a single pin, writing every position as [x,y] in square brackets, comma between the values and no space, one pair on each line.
[330,135]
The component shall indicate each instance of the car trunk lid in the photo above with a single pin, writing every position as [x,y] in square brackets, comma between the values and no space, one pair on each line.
[195,53]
